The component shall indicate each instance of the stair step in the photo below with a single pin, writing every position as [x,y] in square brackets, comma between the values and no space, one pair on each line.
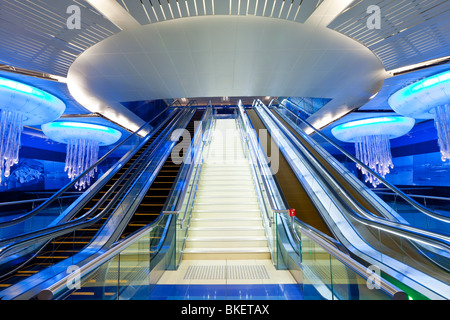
[224,211]
[228,215]
[225,231]
[226,253]
[197,223]
[204,242]
[225,207]
[227,250]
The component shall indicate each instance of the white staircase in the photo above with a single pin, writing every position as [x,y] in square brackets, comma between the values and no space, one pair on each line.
[226,221]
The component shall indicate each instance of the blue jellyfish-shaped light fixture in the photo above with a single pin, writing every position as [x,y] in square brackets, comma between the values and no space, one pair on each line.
[83,141]
[22,104]
[428,98]
[372,141]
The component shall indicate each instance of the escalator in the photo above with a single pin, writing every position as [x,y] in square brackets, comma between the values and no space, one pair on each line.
[153,202]
[387,244]
[67,245]
[292,189]
[131,268]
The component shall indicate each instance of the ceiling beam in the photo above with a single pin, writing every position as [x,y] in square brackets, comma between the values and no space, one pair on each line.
[115,13]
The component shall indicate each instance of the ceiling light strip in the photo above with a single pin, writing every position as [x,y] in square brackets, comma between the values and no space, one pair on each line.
[146,13]
[154,11]
[281,9]
[298,10]
[169,5]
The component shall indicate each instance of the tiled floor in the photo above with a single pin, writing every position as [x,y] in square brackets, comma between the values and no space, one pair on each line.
[227,280]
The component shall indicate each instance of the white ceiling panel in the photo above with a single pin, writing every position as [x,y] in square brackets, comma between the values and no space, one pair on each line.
[35,36]
[410,31]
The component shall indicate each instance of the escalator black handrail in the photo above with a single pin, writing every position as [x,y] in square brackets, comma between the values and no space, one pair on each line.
[14,203]
[48,230]
[115,249]
[83,217]
[421,196]
[367,218]
[245,126]
[86,215]
[72,183]
[45,236]
[418,237]
[290,226]
[253,153]
[68,227]
[138,197]
[330,245]
[380,178]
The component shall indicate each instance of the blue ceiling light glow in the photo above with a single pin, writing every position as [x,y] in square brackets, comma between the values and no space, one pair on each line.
[371,138]
[15,92]
[428,98]
[82,126]
[83,141]
[371,121]
[22,104]
[64,131]
[393,127]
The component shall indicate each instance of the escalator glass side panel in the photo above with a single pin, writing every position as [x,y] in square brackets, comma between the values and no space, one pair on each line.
[398,207]
[55,211]
[146,213]
[63,247]
[156,196]
[397,251]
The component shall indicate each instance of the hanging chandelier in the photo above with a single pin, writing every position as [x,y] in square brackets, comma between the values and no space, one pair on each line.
[372,142]
[83,141]
[428,98]
[21,104]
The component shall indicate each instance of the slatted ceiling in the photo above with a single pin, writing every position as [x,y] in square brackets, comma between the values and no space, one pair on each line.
[267,10]
[221,7]
[199,7]
[137,10]
[191,7]
[251,6]
[285,9]
[234,7]
[307,8]
[294,9]
[409,20]
[183,8]
[34,34]
[411,31]
[243,7]
[175,10]
[166,10]
[209,7]
[277,8]
[158,10]
[259,11]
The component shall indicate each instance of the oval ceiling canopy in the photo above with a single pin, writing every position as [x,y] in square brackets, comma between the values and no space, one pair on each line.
[216,56]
